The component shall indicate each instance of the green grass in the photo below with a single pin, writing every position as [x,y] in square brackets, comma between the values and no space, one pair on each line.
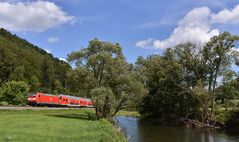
[55,126]
[128,113]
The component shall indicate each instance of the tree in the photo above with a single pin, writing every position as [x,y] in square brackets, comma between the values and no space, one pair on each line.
[220,54]
[79,82]
[167,99]
[18,74]
[207,63]
[6,64]
[228,90]
[47,76]
[59,89]
[108,73]
[34,84]
[191,57]
[173,79]
[15,92]
[203,97]
[104,101]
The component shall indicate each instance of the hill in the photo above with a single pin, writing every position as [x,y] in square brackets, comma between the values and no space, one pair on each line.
[23,61]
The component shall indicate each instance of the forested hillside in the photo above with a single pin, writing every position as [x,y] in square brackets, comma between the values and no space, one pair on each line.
[23,61]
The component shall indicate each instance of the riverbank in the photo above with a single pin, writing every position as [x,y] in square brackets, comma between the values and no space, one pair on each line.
[56,125]
[128,113]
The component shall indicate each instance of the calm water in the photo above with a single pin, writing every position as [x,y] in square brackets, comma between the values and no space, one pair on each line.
[136,131]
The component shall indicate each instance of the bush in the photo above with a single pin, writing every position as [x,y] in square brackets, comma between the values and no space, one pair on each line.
[3,103]
[1,94]
[104,101]
[222,116]
[233,121]
[14,92]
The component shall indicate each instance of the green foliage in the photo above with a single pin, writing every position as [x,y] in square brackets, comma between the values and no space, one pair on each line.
[79,82]
[233,120]
[167,98]
[102,64]
[1,94]
[59,89]
[14,92]
[34,84]
[23,61]
[204,98]
[172,79]
[104,101]
[222,116]
[180,83]
[228,91]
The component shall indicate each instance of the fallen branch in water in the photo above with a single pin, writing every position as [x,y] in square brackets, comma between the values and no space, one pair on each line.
[197,124]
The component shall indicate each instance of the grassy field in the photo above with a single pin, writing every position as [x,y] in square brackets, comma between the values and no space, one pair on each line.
[55,126]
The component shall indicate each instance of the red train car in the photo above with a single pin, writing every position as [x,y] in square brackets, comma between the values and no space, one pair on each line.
[43,99]
[89,102]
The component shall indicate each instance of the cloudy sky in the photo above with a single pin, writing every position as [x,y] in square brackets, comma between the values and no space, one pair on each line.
[142,27]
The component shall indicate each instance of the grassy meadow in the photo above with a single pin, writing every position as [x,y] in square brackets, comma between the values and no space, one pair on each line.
[55,126]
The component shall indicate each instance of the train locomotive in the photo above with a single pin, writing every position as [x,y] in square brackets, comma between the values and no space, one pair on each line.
[42,99]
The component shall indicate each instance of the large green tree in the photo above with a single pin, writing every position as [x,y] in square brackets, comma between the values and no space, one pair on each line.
[167,98]
[220,53]
[180,69]
[108,76]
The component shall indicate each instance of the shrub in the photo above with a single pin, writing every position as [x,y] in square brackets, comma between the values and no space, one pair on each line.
[1,95]
[103,100]
[233,121]
[14,92]
[222,116]
[3,103]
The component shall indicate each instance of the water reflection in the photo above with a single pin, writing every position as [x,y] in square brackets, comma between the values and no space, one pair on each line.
[136,131]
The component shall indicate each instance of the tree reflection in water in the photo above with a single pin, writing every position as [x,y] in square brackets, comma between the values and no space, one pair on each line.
[138,131]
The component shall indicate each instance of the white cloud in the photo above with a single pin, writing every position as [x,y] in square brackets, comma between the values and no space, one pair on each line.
[53,39]
[48,50]
[148,25]
[63,59]
[196,26]
[32,16]
[227,16]
[145,43]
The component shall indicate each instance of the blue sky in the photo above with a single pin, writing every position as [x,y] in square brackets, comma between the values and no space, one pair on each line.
[142,27]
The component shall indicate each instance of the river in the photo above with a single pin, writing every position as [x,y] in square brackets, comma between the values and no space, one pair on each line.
[137,131]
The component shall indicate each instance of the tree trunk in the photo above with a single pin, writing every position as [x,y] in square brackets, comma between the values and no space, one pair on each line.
[213,89]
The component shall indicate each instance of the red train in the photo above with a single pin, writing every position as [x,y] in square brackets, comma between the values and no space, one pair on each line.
[41,99]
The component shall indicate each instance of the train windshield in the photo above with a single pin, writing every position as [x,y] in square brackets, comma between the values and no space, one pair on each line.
[32,95]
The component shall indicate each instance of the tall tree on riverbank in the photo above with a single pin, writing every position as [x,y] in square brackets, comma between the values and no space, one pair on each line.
[207,63]
[113,85]
[167,98]
[220,53]
[184,66]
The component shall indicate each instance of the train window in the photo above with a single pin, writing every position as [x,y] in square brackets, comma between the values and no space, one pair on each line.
[39,96]
[60,97]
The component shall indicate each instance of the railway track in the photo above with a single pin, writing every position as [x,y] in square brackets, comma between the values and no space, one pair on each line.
[36,108]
